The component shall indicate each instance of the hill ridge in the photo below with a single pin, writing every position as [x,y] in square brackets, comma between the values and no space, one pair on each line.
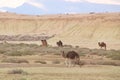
[70,28]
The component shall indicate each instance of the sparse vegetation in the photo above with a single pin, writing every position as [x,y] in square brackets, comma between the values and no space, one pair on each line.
[53,73]
[105,63]
[2,51]
[19,53]
[56,62]
[23,79]
[82,63]
[39,61]
[74,29]
[14,60]
[33,49]
[17,71]
[115,55]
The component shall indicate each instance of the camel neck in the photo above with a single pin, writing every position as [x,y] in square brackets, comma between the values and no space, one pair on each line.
[63,54]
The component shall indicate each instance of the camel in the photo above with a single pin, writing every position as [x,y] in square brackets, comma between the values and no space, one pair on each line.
[71,58]
[102,44]
[59,43]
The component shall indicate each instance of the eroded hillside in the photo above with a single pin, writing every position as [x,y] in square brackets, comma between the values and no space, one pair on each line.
[73,29]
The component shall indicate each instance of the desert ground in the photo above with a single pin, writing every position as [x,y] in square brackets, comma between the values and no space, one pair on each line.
[63,73]
[34,62]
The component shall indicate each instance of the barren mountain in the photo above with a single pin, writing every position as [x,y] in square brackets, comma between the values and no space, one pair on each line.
[84,30]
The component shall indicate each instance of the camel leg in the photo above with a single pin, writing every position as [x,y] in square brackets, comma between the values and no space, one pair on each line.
[78,62]
[66,62]
[73,62]
[69,63]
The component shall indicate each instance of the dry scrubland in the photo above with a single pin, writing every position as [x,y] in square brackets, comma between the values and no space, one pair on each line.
[33,62]
[84,30]
[57,73]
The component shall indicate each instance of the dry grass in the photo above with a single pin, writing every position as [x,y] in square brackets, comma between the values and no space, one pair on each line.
[54,67]
[17,71]
[53,73]
[24,53]
[39,61]
[14,60]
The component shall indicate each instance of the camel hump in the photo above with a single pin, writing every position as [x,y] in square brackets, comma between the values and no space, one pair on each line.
[72,55]
[102,42]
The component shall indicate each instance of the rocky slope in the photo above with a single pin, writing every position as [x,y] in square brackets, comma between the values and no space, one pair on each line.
[74,29]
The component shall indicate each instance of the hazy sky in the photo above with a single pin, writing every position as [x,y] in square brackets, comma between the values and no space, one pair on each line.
[36,7]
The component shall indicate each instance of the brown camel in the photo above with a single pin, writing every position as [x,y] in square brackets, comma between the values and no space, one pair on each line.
[71,58]
[59,43]
[102,44]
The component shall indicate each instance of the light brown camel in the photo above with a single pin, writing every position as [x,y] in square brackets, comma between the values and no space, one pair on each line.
[71,58]
[102,44]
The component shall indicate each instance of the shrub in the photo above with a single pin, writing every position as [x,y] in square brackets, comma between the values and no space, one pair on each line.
[114,55]
[56,62]
[99,52]
[14,53]
[76,46]
[23,79]
[17,71]
[81,63]
[82,54]
[109,63]
[14,60]
[57,54]
[105,63]
[69,46]
[19,53]
[2,51]
[42,62]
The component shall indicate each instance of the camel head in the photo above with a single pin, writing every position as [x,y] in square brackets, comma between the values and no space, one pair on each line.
[63,54]
[99,43]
